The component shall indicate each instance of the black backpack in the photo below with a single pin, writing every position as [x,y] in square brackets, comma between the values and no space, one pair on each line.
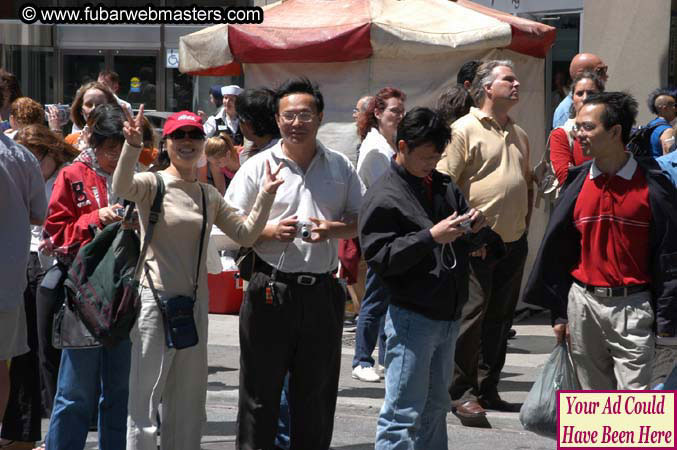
[640,140]
[102,284]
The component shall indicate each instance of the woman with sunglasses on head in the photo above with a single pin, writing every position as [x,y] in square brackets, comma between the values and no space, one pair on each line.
[83,200]
[565,150]
[175,266]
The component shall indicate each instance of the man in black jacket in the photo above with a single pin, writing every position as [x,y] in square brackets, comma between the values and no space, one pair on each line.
[412,225]
[607,266]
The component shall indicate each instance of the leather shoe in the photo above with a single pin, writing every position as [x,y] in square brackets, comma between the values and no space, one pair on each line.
[498,404]
[471,414]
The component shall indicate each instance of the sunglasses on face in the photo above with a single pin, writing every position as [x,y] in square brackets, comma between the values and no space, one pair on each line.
[192,134]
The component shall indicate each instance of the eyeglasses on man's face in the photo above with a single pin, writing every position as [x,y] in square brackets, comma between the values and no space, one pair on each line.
[303,116]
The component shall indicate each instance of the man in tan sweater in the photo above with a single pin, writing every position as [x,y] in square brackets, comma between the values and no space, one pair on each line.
[488,158]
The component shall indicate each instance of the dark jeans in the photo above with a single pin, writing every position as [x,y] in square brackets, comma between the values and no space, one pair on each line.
[370,322]
[300,335]
[50,296]
[24,409]
[486,319]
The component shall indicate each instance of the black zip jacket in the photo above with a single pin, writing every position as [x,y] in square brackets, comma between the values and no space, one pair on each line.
[394,228]
[560,250]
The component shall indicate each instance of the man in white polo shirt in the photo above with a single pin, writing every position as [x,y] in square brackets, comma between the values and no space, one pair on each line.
[292,313]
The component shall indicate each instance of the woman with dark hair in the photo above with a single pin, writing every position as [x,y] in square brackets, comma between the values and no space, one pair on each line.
[454,103]
[174,267]
[83,200]
[21,424]
[88,97]
[565,150]
[256,110]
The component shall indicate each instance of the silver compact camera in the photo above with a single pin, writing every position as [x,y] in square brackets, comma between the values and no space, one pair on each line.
[466,225]
[303,229]
[64,112]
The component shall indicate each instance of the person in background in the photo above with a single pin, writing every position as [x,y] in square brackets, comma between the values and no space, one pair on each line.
[378,128]
[22,204]
[216,99]
[177,378]
[24,111]
[21,425]
[150,153]
[488,158]
[226,120]
[580,63]
[454,103]
[111,80]
[10,91]
[353,268]
[82,199]
[467,73]
[565,150]
[88,97]
[662,103]
[222,161]
[255,109]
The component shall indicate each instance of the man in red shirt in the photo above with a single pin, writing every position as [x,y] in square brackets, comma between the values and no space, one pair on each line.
[606,267]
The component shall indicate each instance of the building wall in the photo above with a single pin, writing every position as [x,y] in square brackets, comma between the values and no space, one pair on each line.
[632,37]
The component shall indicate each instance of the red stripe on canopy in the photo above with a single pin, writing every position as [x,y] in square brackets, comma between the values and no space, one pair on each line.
[528,37]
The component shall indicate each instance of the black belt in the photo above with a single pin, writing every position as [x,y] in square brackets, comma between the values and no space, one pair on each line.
[620,291]
[300,278]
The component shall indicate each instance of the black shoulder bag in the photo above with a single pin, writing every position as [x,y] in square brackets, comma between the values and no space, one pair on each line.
[178,311]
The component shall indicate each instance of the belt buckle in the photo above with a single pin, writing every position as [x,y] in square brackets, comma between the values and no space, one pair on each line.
[306,280]
[602,291]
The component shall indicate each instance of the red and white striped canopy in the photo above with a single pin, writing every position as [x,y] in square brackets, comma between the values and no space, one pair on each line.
[324,31]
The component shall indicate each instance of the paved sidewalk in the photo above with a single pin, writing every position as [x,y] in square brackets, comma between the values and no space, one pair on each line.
[359,403]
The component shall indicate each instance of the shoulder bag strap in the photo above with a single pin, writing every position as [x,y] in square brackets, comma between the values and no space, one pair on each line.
[202,238]
[153,217]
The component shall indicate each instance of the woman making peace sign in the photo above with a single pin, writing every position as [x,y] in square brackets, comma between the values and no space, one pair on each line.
[177,378]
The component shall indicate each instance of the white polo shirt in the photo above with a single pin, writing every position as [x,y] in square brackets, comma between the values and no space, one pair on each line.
[330,189]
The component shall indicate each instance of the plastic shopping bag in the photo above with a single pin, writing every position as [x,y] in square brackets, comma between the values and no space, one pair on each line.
[539,411]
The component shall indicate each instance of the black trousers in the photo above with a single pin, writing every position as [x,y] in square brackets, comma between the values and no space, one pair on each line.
[486,319]
[50,297]
[24,408]
[298,332]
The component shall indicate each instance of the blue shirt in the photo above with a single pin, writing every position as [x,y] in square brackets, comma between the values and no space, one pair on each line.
[656,147]
[561,114]
[668,164]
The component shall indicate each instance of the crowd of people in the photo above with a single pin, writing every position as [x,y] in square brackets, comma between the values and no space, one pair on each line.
[430,229]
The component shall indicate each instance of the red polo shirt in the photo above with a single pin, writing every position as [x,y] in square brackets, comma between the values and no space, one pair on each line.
[612,214]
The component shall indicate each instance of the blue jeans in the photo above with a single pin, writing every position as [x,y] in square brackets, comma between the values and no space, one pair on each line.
[283,420]
[370,322]
[82,373]
[419,365]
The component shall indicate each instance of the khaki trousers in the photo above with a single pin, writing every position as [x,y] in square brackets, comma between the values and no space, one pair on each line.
[175,378]
[612,341]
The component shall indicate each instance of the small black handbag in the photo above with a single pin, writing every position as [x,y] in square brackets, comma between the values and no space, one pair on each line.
[178,311]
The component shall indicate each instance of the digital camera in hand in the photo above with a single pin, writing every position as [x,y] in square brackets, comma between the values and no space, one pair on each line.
[64,112]
[303,229]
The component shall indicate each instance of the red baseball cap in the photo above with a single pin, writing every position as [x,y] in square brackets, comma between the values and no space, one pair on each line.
[182,119]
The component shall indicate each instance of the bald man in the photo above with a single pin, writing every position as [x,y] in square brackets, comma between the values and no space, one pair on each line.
[580,63]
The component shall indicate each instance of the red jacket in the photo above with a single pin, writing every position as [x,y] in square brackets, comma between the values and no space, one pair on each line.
[78,194]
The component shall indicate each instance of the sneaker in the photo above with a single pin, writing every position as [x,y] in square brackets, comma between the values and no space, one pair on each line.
[367,374]
[381,371]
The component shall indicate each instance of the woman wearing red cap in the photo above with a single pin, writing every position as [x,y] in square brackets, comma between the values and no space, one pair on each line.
[177,378]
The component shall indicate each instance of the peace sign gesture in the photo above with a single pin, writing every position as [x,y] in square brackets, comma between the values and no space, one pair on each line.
[272,181]
[132,128]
